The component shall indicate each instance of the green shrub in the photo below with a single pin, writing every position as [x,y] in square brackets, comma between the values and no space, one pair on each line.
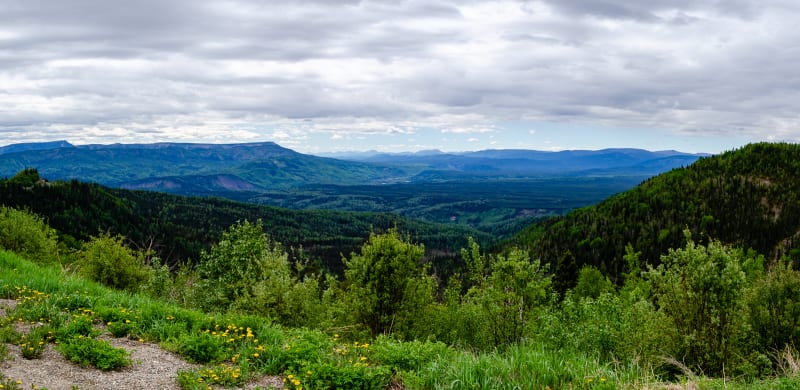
[119,328]
[773,309]
[247,272]
[222,374]
[345,376]
[592,283]
[701,289]
[28,236]
[386,284]
[107,260]
[87,351]
[78,325]
[202,347]
[609,327]
[31,347]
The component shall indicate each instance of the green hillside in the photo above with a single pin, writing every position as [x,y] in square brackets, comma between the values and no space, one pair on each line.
[711,314]
[747,197]
[163,166]
[178,227]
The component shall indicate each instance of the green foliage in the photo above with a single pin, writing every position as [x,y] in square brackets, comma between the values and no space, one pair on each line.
[773,308]
[221,374]
[78,325]
[519,367]
[509,293]
[592,283]
[169,223]
[9,383]
[107,260]
[32,345]
[202,347]
[406,356]
[330,376]
[26,177]
[27,235]
[583,343]
[611,327]
[747,198]
[247,272]
[700,289]
[87,351]
[3,352]
[386,283]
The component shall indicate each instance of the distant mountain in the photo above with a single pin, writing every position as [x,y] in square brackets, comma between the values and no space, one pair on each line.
[748,197]
[25,147]
[168,166]
[534,163]
[265,166]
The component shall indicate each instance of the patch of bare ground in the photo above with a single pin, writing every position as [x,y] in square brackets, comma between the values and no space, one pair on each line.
[152,368]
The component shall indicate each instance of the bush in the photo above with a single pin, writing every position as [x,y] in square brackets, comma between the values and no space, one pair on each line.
[347,376]
[592,283]
[87,351]
[386,284]
[609,327]
[79,325]
[28,236]
[202,347]
[107,260]
[701,290]
[247,272]
[773,309]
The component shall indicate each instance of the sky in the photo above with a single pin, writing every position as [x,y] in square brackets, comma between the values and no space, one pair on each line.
[391,75]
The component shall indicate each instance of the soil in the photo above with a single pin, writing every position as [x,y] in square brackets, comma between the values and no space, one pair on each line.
[152,368]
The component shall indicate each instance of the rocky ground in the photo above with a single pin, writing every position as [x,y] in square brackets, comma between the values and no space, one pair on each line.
[152,368]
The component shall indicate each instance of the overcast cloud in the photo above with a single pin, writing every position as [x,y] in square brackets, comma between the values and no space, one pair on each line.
[321,75]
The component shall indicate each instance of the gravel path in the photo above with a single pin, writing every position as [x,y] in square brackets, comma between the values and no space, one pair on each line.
[152,368]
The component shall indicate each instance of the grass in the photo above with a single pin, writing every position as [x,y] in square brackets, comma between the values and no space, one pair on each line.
[235,349]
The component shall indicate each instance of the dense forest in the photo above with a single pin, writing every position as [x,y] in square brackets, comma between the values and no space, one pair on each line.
[495,191]
[746,197]
[178,228]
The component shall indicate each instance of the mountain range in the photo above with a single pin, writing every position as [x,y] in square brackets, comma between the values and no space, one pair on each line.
[496,191]
[266,166]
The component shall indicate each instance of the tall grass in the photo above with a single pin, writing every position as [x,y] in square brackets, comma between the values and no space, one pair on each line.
[524,366]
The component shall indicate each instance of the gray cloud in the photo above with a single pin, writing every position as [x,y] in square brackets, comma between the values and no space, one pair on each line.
[99,70]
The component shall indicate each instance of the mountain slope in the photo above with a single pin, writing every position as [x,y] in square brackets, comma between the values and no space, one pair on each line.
[748,197]
[179,227]
[263,165]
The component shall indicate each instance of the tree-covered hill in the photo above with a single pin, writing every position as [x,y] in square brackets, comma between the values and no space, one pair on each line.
[180,227]
[167,166]
[748,197]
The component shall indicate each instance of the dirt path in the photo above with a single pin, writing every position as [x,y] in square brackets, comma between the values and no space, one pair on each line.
[152,368]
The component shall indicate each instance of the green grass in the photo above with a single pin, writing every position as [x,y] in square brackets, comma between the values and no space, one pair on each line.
[237,348]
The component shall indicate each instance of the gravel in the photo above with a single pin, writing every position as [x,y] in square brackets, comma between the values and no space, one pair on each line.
[152,368]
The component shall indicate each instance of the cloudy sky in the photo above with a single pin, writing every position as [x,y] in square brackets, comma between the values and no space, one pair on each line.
[318,76]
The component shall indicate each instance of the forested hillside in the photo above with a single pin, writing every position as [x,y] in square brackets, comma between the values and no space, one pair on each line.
[747,198]
[167,166]
[178,227]
[712,306]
